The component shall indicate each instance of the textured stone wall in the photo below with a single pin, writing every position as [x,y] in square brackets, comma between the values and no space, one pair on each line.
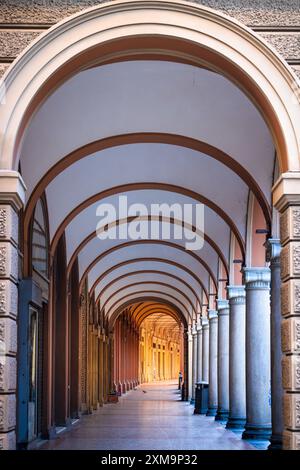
[278,21]
[253,12]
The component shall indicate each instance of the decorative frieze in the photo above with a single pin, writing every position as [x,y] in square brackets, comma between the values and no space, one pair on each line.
[8,374]
[291,405]
[291,440]
[290,297]
[290,225]
[290,335]
[7,412]
[8,298]
[290,261]
[8,441]
[291,372]
[8,261]
[8,336]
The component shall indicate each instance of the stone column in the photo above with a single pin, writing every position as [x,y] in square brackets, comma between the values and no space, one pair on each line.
[190,365]
[199,352]
[213,363]
[205,350]
[237,357]
[273,255]
[258,351]
[12,197]
[194,371]
[223,360]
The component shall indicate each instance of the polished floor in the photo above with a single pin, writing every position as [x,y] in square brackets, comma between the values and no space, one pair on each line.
[152,417]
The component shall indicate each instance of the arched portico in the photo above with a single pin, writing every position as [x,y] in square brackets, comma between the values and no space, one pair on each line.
[193,38]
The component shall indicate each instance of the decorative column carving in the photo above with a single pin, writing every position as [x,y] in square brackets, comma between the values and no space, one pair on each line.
[12,197]
[273,256]
[237,357]
[194,359]
[205,349]
[258,369]
[223,360]
[286,199]
[199,352]
[213,363]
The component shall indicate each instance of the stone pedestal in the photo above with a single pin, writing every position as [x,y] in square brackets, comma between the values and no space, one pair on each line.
[223,360]
[213,363]
[258,351]
[273,255]
[237,357]
[199,352]
[12,197]
[205,349]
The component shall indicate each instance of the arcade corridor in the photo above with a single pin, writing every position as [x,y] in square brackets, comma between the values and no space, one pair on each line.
[149,230]
[148,421]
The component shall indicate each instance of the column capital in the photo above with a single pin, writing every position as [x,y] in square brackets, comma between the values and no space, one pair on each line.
[286,190]
[257,278]
[212,314]
[273,247]
[204,323]
[223,306]
[12,189]
[198,327]
[236,294]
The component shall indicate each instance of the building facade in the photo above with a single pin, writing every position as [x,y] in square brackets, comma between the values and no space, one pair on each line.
[161,102]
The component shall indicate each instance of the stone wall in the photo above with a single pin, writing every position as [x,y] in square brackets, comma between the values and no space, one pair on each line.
[278,21]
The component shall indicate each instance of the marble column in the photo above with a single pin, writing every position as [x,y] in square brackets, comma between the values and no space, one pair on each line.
[273,255]
[194,359]
[213,363]
[237,357]
[258,351]
[205,350]
[223,360]
[199,352]
[12,197]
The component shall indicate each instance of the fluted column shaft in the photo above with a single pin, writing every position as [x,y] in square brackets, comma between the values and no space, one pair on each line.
[237,357]
[273,255]
[223,360]
[199,353]
[213,363]
[258,406]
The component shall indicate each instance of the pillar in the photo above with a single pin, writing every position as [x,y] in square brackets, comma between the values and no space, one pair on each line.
[213,363]
[190,365]
[286,199]
[194,359]
[223,360]
[258,369]
[199,352]
[12,197]
[205,349]
[273,256]
[237,357]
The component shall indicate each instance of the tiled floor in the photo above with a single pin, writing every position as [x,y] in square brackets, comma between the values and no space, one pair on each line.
[155,420]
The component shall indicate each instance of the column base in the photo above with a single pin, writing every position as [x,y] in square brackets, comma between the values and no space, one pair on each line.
[212,411]
[275,442]
[257,433]
[222,415]
[236,423]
